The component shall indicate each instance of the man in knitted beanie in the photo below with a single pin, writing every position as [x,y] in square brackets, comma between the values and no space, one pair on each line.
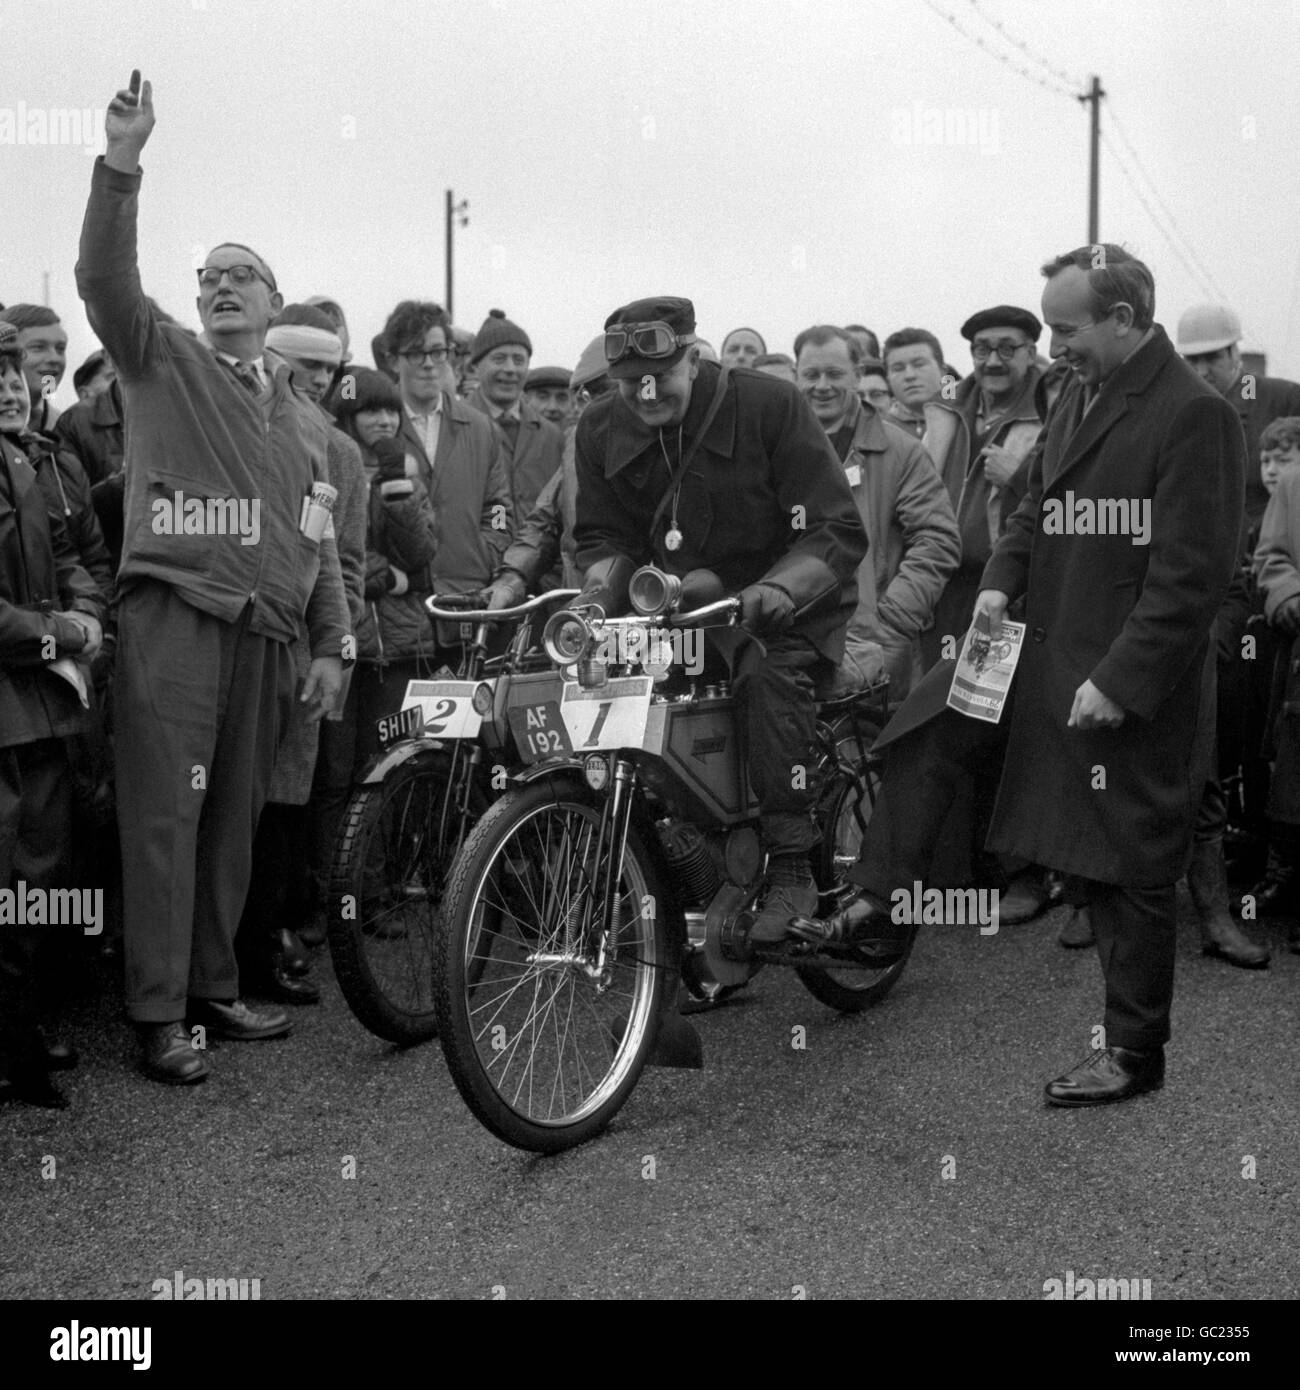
[534,446]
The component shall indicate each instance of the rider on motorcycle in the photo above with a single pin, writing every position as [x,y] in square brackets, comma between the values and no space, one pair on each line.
[688,469]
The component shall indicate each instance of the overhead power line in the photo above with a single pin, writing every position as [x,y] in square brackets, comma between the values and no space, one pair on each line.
[1054,86]
[1069,79]
[1204,285]
[1206,274]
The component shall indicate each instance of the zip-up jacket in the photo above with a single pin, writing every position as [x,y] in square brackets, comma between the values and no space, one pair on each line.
[40,580]
[912,533]
[66,489]
[195,430]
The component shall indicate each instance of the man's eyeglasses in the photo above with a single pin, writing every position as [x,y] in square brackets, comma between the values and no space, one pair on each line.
[416,357]
[1006,350]
[653,340]
[210,276]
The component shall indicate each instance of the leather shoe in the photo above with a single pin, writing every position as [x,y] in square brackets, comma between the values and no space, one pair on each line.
[783,903]
[865,924]
[235,1021]
[284,988]
[288,952]
[169,1057]
[1024,898]
[1107,1075]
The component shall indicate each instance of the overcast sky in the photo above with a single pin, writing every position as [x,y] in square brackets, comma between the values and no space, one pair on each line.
[773,160]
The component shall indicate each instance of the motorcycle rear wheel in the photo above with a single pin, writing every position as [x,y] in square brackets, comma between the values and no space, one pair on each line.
[843,813]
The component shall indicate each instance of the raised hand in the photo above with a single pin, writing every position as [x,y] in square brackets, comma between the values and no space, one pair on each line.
[129,121]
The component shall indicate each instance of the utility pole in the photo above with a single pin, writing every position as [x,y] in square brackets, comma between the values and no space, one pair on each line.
[456,212]
[1093,96]
[45,288]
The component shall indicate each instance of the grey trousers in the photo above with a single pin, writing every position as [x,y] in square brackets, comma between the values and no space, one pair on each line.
[201,706]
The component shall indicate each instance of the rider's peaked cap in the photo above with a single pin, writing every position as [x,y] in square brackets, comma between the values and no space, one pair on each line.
[678,314]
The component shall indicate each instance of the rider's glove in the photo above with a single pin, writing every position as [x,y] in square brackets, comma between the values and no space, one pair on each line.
[698,588]
[391,477]
[766,609]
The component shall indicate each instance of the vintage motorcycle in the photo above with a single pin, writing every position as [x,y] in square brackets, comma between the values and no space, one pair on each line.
[408,816]
[625,856]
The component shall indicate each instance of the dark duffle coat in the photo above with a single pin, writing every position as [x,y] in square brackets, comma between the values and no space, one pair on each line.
[764,498]
[1136,620]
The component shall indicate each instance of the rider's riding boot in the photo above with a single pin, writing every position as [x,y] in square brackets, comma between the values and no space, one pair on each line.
[1207,879]
[866,924]
[790,893]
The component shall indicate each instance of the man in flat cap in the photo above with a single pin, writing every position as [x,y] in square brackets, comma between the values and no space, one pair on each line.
[546,389]
[692,467]
[980,444]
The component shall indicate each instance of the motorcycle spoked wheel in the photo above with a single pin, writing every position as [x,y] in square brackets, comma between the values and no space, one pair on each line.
[544,1055]
[396,843]
[843,813]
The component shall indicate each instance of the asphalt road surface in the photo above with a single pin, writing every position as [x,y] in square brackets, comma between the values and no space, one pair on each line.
[904,1153]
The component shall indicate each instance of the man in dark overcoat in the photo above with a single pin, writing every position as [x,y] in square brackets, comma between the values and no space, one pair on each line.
[1123,549]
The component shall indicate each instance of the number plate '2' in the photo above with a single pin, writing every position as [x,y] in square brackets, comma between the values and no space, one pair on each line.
[407,723]
[448,708]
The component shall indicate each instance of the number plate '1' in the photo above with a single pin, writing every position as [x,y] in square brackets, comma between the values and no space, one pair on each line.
[610,716]
[447,707]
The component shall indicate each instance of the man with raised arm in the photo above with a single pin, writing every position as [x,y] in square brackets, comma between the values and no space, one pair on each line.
[227,552]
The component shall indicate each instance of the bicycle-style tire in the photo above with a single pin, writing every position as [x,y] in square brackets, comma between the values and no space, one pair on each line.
[843,812]
[396,841]
[544,1055]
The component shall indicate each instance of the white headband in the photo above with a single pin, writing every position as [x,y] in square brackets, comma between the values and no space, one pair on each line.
[302,341]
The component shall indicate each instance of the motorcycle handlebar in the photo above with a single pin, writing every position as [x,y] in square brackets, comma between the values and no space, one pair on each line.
[484,615]
[730,606]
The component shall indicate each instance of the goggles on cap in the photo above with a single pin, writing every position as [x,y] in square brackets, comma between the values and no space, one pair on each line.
[653,340]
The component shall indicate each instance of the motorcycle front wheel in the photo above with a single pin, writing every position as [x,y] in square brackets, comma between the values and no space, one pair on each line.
[544,1037]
